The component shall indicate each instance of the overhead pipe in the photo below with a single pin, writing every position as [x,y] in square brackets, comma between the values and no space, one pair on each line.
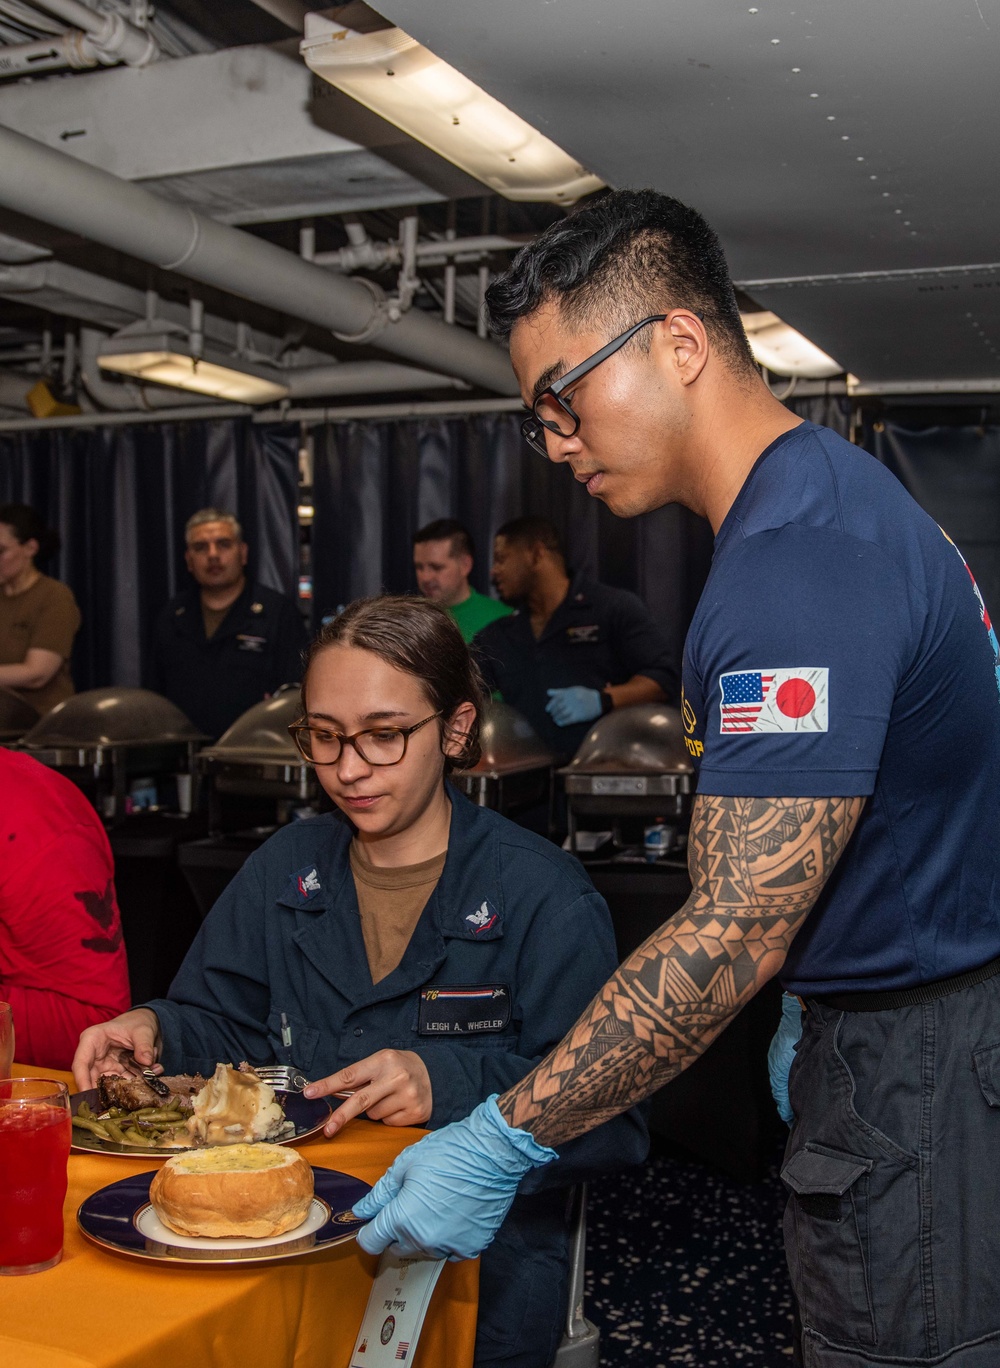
[97,420]
[430,408]
[58,189]
[364,254]
[48,54]
[108,34]
[363,377]
[14,389]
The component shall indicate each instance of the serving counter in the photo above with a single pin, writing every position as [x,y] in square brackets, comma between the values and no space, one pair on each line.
[102,1310]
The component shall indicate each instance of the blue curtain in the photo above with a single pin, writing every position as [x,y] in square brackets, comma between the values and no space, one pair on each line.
[954,474]
[120,497]
[375,484]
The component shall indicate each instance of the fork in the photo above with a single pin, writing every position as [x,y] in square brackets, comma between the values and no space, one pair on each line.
[286,1078]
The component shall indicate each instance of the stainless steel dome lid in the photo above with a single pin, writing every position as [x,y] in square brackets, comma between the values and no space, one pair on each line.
[509,743]
[261,733]
[16,716]
[646,738]
[112,717]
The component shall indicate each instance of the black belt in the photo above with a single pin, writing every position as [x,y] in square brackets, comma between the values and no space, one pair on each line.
[907,997]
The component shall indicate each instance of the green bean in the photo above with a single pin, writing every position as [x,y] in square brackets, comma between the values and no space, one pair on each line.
[86,1123]
[115,1131]
[134,1137]
[85,1112]
[167,1115]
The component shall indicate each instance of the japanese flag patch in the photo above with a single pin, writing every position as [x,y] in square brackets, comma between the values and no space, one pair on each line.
[791,700]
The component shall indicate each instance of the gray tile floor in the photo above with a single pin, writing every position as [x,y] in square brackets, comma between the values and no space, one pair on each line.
[685,1266]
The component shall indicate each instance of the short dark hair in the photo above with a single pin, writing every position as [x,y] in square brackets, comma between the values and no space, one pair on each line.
[621,258]
[461,538]
[418,637]
[530,531]
[28,525]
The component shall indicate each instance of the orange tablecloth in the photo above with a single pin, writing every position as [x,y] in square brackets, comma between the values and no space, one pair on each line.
[100,1310]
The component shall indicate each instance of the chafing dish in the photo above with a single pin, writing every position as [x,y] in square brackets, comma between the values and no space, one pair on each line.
[515,770]
[632,764]
[103,737]
[257,758]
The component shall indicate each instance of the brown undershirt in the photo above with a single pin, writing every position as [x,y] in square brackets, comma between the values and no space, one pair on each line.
[212,618]
[390,902]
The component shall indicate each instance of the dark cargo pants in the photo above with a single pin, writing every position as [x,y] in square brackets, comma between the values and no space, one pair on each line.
[892,1227]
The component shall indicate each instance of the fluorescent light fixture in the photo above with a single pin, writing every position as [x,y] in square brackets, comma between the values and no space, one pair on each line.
[390,73]
[163,359]
[776,345]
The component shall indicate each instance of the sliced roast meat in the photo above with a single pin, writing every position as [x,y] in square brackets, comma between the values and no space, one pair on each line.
[115,1090]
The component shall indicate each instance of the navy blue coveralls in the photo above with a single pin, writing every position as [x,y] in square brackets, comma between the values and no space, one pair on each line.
[257,647]
[511,913]
[597,636]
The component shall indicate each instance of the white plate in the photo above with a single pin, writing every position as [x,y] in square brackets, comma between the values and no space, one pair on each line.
[151,1227]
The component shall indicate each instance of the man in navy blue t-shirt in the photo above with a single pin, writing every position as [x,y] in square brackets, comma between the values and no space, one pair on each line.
[841,699]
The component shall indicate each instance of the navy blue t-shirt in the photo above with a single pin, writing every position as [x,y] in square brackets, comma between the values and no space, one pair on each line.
[842,648]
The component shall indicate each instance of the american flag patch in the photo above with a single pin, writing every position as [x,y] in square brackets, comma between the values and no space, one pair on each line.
[786,700]
[403,1349]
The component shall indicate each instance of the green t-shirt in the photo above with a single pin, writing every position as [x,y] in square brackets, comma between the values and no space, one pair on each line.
[476,611]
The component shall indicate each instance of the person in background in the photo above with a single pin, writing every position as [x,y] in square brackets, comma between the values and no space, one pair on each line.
[62,960]
[224,643]
[38,615]
[443,556]
[411,947]
[573,649]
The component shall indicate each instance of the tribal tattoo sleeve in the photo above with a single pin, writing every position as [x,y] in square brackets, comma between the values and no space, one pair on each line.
[757,867]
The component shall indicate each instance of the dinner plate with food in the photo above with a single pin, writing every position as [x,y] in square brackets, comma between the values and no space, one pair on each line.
[229,1204]
[132,1116]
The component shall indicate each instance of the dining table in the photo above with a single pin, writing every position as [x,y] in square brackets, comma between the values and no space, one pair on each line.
[98,1309]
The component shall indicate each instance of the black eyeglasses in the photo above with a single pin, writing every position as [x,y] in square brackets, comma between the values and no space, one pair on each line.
[375,745]
[550,410]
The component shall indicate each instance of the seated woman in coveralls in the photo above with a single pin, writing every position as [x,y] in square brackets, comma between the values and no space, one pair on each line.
[432,949]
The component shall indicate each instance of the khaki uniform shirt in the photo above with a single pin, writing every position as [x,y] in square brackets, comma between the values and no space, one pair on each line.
[44,617]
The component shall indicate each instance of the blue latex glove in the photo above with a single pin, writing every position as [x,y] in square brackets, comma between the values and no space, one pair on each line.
[781,1053]
[447,1195]
[573,704]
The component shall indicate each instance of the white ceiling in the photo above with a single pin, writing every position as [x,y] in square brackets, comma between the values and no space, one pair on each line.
[820,137]
[870,171]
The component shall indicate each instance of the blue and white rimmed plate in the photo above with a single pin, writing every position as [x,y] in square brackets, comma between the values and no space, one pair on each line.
[119,1218]
[307,1114]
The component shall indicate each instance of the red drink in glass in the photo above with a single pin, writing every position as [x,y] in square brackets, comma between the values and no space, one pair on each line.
[35,1131]
[6,1039]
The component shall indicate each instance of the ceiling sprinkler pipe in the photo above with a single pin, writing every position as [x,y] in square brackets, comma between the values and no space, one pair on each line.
[112,38]
[363,377]
[60,190]
[48,54]
[364,254]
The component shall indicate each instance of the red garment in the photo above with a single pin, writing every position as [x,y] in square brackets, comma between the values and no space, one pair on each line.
[62,958]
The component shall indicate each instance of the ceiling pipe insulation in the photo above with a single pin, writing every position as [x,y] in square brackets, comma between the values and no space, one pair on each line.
[57,189]
[109,36]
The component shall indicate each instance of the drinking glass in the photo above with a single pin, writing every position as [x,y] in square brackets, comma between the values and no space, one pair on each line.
[35,1129]
[6,1039]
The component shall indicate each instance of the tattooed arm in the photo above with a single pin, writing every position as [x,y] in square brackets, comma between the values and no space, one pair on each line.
[757,867]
